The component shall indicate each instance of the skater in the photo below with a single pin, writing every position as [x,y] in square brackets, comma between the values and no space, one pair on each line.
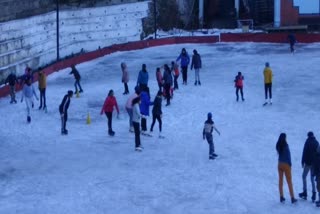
[185,60]
[12,80]
[125,77]
[107,108]
[307,160]
[143,77]
[42,84]
[316,173]
[63,109]
[159,78]
[284,167]
[207,134]
[144,109]
[129,106]
[157,112]
[136,122]
[167,82]
[196,64]
[292,41]
[238,83]
[28,92]
[175,71]
[267,73]
[77,78]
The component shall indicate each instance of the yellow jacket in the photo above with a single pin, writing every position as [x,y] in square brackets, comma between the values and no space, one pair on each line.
[42,81]
[267,73]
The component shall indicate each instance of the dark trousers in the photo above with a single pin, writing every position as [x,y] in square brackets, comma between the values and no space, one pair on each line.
[109,117]
[136,127]
[64,119]
[42,97]
[241,92]
[268,88]
[160,86]
[77,84]
[184,74]
[167,90]
[154,118]
[143,124]
[175,82]
[126,89]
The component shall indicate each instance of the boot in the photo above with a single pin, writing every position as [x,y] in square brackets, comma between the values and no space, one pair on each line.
[303,195]
[293,200]
[282,199]
[313,197]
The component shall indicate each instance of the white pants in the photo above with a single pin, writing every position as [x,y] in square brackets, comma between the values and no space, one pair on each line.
[29,102]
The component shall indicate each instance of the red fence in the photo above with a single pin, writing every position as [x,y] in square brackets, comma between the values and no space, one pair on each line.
[226,37]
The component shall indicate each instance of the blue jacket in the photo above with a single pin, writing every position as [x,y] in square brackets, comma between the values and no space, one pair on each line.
[185,59]
[285,156]
[145,103]
[309,151]
[143,78]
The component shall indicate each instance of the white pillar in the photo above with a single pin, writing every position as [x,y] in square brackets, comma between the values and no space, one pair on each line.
[237,6]
[277,15]
[201,5]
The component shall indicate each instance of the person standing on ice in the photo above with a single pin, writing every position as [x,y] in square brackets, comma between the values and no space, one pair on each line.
[63,109]
[196,64]
[77,78]
[267,74]
[12,81]
[238,83]
[316,173]
[292,41]
[28,92]
[144,109]
[157,112]
[42,85]
[129,106]
[143,77]
[167,83]
[107,108]
[284,167]
[184,62]
[125,77]
[175,71]
[308,156]
[136,116]
[207,133]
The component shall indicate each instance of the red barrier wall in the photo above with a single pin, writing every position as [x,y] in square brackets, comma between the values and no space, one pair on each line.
[225,37]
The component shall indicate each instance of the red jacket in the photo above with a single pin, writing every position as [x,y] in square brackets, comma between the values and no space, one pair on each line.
[108,105]
[238,81]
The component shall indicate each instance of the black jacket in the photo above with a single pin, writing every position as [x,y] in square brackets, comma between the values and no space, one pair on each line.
[11,79]
[63,108]
[309,151]
[76,74]
[156,110]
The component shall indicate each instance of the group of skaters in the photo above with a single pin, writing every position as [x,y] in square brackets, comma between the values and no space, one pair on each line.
[310,162]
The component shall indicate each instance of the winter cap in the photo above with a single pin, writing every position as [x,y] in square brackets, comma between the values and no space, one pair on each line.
[209,115]
[310,134]
[70,93]
[267,64]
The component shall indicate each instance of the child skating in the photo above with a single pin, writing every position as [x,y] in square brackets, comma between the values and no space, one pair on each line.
[207,134]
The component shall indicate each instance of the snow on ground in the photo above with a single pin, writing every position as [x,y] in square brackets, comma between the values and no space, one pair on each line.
[90,172]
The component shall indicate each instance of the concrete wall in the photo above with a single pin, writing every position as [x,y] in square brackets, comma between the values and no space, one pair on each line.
[32,41]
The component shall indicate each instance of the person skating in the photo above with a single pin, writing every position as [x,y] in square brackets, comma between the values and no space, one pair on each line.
[167,82]
[143,77]
[125,77]
[176,73]
[267,73]
[12,81]
[284,167]
[292,41]
[157,112]
[63,110]
[27,93]
[77,78]
[238,83]
[144,109]
[196,64]
[184,62]
[129,106]
[308,156]
[316,173]
[136,116]
[42,85]
[107,108]
[207,133]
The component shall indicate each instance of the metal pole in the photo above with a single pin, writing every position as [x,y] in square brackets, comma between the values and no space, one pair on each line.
[155,18]
[57,19]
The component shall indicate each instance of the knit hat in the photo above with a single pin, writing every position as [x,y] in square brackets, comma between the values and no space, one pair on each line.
[267,64]
[70,93]
[310,134]
[209,115]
